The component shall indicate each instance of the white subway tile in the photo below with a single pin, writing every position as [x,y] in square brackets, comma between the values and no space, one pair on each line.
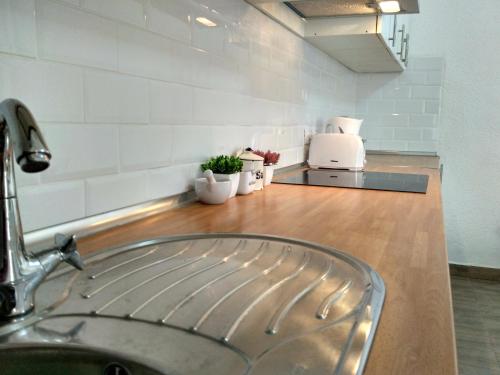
[53,92]
[231,139]
[263,138]
[25,179]
[80,151]
[143,147]
[428,63]
[423,121]
[289,157]
[377,133]
[387,145]
[380,106]
[116,191]
[423,146]
[426,92]
[171,103]
[210,39]
[222,108]
[75,3]
[409,77]
[409,106]
[45,205]
[70,35]
[372,145]
[17,27]
[432,106]
[192,144]
[165,182]
[285,137]
[150,55]
[394,120]
[399,92]
[434,77]
[407,134]
[170,18]
[131,11]
[430,134]
[115,98]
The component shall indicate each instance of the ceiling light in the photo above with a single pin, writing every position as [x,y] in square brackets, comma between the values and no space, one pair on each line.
[389,6]
[205,22]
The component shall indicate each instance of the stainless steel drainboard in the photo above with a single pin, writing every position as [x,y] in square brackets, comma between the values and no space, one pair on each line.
[217,303]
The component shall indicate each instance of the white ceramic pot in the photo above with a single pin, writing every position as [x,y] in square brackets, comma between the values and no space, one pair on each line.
[216,193]
[268,174]
[247,183]
[234,178]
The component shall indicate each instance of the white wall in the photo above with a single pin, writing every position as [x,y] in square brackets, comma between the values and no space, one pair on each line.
[133,94]
[465,34]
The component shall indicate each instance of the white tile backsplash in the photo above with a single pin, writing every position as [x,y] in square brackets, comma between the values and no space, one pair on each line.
[115,98]
[53,92]
[80,151]
[69,35]
[131,11]
[426,92]
[112,192]
[401,111]
[170,18]
[171,103]
[50,204]
[151,55]
[173,180]
[132,95]
[17,27]
[192,144]
[144,147]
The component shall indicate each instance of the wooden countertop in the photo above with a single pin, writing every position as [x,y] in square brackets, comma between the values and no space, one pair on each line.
[401,235]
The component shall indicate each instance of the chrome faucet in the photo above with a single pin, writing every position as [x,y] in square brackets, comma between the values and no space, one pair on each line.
[20,272]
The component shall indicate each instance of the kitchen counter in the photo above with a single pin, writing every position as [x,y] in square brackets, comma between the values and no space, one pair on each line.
[400,235]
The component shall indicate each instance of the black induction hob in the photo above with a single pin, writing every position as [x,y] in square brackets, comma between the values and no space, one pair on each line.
[404,182]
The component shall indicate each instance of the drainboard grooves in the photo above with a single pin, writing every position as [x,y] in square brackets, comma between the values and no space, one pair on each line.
[190,296]
[205,300]
[284,309]
[170,270]
[187,277]
[96,275]
[284,253]
[139,269]
[329,301]
[255,302]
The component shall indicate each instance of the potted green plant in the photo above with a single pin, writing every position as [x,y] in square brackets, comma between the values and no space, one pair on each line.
[225,167]
[270,160]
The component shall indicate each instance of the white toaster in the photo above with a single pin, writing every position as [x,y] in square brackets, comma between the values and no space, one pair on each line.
[337,151]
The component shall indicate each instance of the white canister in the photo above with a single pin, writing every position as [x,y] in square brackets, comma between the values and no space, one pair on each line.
[255,164]
[247,183]
[268,174]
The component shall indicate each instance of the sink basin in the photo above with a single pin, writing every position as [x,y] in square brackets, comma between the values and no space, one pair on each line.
[208,303]
[64,360]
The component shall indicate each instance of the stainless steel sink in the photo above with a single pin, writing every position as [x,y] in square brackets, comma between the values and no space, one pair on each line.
[209,303]
[65,360]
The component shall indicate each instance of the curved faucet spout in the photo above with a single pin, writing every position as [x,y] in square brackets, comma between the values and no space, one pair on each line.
[21,273]
[30,149]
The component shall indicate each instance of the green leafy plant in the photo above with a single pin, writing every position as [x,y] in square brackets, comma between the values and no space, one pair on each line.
[223,164]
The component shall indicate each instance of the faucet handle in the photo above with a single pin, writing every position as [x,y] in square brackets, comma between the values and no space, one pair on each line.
[69,251]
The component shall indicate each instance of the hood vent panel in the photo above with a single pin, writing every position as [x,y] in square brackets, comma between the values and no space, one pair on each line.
[338,8]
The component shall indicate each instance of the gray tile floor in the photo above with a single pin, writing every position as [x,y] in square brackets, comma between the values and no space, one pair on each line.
[476,305]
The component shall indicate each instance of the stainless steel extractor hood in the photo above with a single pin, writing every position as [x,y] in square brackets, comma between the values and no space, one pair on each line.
[335,8]
[366,36]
